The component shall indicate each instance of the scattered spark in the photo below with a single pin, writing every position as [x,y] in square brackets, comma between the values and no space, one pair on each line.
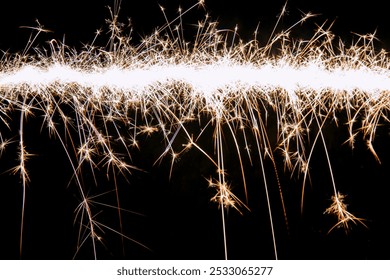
[339,208]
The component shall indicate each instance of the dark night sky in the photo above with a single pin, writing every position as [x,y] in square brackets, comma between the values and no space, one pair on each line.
[79,19]
[179,221]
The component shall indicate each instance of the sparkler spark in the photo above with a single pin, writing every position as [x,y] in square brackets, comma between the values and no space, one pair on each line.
[164,85]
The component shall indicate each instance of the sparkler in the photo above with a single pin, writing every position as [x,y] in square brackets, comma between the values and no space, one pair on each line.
[165,84]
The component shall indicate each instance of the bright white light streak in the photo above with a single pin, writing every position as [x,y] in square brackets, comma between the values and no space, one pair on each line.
[206,80]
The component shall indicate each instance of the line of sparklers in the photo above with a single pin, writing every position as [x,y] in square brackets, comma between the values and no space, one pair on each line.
[165,83]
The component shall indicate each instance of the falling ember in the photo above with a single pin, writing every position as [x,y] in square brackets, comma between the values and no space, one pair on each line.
[164,84]
[339,208]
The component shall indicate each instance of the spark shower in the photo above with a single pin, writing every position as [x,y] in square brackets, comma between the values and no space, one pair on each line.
[266,107]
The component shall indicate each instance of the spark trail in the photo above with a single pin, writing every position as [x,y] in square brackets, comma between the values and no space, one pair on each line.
[164,84]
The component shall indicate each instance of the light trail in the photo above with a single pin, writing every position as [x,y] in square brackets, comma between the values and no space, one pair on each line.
[163,84]
[207,80]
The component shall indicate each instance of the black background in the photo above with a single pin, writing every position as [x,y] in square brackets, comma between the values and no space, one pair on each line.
[179,221]
[78,20]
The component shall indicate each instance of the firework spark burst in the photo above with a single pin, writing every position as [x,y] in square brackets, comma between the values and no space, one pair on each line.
[164,85]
